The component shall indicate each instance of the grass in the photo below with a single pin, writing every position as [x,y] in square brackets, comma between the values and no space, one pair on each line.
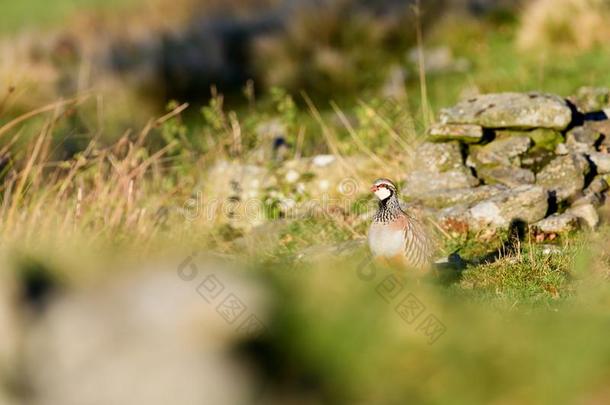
[497,65]
[509,336]
[27,14]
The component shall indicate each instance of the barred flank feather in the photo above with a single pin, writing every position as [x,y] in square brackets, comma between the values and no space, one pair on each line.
[417,250]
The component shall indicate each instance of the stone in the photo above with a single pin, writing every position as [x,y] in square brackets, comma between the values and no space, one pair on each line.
[549,250]
[562,149]
[469,195]
[536,158]
[454,219]
[510,176]
[591,99]
[439,157]
[557,223]
[528,203]
[9,333]
[583,134]
[564,176]
[596,199]
[586,212]
[545,138]
[500,150]
[149,336]
[581,140]
[323,176]
[593,193]
[511,110]
[542,137]
[423,182]
[323,160]
[234,194]
[455,132]
[601,162]
[597,185]
[603,126]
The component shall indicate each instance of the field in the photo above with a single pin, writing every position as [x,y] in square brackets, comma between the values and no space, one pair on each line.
[99,184]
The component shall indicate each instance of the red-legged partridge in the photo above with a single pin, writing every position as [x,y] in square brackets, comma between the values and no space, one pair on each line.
[394,234]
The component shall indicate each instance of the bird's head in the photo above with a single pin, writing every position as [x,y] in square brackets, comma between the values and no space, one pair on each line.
[383,189]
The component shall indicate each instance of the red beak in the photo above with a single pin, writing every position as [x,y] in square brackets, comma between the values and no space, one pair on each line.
[374,188]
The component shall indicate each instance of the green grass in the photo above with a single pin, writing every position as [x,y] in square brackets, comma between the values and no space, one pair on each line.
[510,337]
[496,65]
[26,14]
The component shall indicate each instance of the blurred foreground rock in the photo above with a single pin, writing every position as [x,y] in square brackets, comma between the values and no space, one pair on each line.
[9,328]
[155,337]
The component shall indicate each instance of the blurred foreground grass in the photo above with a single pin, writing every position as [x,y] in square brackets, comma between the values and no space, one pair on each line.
[346,335]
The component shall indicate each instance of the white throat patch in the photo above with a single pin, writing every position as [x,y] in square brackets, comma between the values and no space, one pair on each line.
[382,193]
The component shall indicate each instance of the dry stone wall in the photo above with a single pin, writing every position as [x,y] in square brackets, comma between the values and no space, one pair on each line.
[534,157]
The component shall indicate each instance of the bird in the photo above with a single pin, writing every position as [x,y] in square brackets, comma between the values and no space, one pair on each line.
[396,235]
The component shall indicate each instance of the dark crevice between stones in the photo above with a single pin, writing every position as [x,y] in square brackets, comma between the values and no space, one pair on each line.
[553,204]
[488,135]
[578,118]
[592,172]
[595,116]
[464,151]
[597,145]
[473,171]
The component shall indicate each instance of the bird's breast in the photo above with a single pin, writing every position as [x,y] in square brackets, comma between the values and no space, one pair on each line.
[385,240]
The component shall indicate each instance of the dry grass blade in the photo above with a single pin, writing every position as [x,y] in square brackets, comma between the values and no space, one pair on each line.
[354,136]
[145,164]
[173,113]
[51,107]
[328,137]
[370,110]
[426,110]
[23,178]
